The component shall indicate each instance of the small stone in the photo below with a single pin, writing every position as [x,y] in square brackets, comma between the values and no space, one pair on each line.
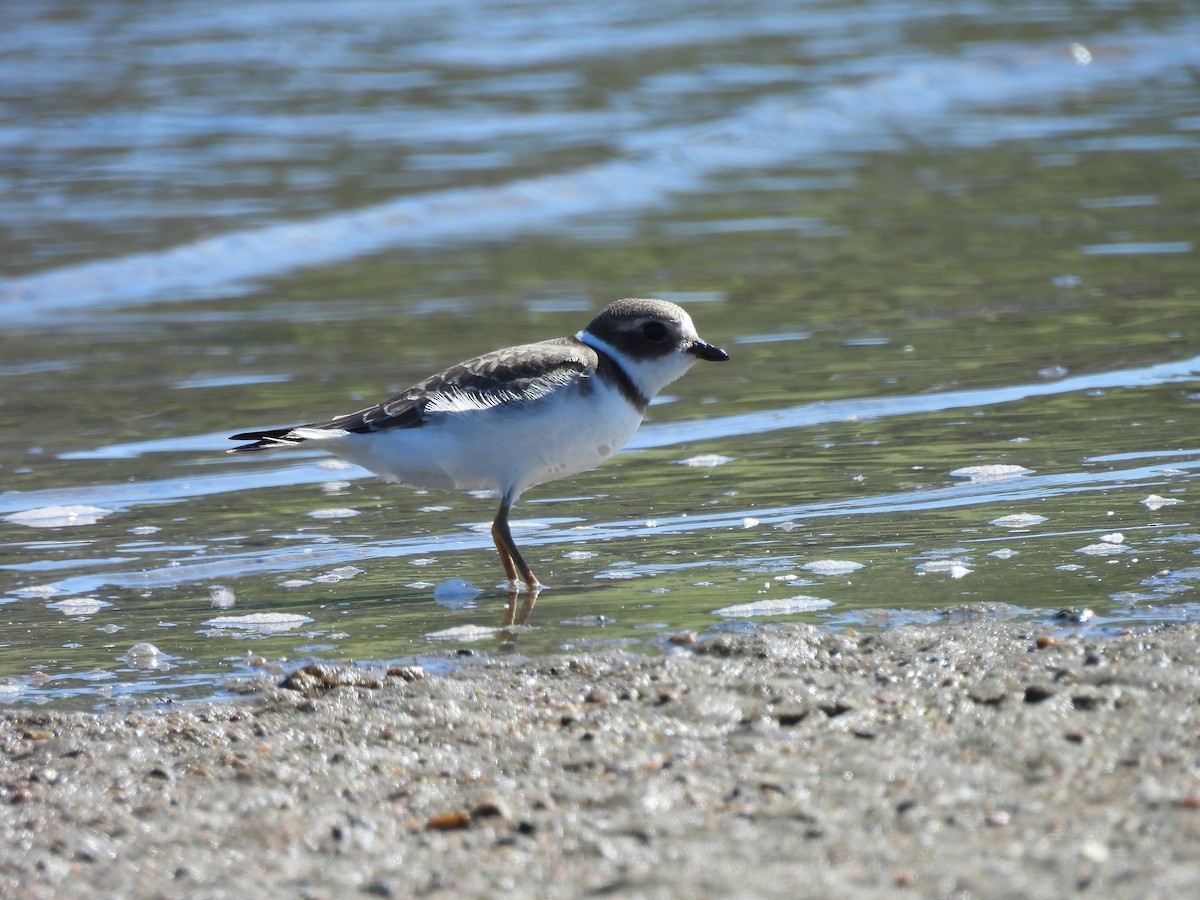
[448,821]
[1075,615]
[408,673]
[318,679]
[1094,851]
[490,809]
[990,692]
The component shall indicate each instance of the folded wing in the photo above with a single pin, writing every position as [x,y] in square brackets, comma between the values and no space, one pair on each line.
[513,376]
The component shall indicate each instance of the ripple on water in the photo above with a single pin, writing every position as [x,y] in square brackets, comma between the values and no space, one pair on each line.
[1144,248]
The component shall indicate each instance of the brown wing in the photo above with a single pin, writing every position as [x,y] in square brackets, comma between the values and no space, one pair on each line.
[514,375]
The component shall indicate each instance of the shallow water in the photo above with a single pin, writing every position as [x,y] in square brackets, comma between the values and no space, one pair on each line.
[951,251]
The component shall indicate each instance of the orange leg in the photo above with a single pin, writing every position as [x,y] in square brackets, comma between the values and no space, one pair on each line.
[510,556]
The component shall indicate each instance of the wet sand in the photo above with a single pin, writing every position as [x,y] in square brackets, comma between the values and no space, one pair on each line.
[988,758]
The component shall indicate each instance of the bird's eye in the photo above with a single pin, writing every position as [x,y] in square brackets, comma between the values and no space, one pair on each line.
[655,332]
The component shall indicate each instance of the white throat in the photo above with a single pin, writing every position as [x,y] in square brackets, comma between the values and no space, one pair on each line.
[649,374]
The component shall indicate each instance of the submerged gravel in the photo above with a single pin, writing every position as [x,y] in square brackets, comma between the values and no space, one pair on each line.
[984,758]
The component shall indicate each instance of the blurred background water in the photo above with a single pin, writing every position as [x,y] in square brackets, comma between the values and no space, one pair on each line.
[950,247]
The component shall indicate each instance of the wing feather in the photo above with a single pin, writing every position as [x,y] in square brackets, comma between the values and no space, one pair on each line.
[515,375]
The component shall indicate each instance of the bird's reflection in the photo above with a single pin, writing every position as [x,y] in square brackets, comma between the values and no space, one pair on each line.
[517,607]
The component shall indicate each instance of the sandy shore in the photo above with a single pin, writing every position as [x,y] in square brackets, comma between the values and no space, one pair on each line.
[985,758]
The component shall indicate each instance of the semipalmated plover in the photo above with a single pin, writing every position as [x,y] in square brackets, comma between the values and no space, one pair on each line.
[514,418]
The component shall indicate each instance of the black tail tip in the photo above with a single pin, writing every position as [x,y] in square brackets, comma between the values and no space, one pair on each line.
[261,440]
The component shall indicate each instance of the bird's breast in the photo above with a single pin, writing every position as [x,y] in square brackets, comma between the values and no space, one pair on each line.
[504,447]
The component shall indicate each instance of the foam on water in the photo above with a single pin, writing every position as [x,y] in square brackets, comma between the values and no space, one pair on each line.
[784,606]
[69,516]
[260,622]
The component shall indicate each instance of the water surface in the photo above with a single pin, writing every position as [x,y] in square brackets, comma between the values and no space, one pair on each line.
[951,251]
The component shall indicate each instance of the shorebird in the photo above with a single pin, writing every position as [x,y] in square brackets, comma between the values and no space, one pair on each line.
[514,418]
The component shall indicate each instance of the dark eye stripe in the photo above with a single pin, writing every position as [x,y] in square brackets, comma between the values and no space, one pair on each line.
[654,331]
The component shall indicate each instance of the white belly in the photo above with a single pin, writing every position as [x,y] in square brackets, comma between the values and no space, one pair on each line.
[499,449]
